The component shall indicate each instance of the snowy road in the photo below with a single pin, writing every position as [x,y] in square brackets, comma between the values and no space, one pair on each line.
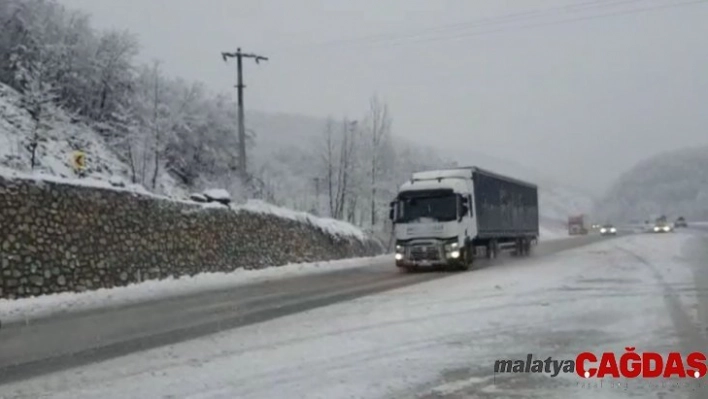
[35,346]
[439,338]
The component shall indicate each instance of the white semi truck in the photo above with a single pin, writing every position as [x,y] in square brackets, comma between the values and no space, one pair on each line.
[449,217]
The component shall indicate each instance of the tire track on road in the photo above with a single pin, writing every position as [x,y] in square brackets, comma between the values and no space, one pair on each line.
[691,338]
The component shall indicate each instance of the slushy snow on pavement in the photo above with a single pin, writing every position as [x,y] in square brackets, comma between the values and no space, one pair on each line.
[436,339]
[47,305]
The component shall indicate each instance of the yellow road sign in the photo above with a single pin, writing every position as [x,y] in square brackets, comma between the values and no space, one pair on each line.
[79,160]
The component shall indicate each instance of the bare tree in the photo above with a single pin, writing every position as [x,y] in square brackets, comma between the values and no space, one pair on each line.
[348,144]
[36,95]
[378,129]
[327,159]
[147,120]
[155,125]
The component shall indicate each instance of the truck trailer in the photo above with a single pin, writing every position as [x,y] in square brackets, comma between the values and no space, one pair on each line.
[447,218]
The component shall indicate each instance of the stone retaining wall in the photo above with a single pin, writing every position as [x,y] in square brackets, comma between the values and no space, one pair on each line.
[58,237]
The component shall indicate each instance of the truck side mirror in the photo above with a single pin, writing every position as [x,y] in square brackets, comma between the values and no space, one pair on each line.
[391,211]
[464,207]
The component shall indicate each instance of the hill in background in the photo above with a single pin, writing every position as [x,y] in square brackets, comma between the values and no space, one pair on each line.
[674,184]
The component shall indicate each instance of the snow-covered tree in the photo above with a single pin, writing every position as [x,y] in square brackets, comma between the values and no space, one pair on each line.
[37,95]
[113,74]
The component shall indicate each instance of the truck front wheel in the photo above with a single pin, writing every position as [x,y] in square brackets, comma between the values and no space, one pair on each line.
[407,269]
[467,259]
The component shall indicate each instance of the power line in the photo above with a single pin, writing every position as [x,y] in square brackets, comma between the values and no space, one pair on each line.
[551,23]
[466,29]
[500,19]
[242,164]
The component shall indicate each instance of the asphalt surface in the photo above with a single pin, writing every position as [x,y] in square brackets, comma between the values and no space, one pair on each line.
[71,340]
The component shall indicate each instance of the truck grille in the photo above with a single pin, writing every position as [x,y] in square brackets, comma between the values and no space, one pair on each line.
[425,253]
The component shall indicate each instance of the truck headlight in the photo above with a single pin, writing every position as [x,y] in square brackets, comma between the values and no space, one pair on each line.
[613,230]
[399,256]
[399,248]
[656,229]
[451,246]
[667,228]
[603,230]
[455,254]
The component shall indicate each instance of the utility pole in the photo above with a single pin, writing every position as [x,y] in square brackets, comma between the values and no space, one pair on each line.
[242,164]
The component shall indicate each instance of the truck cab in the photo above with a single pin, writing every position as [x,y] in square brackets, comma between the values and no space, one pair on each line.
[433,220]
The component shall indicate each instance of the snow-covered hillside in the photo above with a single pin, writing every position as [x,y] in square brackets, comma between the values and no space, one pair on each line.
[674,184]
[61,136]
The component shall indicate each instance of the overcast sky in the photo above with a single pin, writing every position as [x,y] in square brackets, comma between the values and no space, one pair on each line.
[580,93]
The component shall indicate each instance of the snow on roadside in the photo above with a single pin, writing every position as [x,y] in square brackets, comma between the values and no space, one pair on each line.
[217,194]
[663,255]
[91,182]
[331,226]
[46,305]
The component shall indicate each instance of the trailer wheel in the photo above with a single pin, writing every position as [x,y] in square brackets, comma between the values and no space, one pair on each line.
[527,247]
[492,249]
[518,248]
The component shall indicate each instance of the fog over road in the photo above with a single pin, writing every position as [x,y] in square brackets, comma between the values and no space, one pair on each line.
[385,334]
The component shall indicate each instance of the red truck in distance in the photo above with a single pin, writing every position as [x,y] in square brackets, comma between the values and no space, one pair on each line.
[576,225]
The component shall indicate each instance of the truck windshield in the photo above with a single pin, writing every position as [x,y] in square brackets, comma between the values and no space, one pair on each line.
[420,209]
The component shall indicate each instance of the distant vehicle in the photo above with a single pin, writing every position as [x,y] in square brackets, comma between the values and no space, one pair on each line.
[608,230]
[449,217]
[576,225]
[662,227]
[680,222]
